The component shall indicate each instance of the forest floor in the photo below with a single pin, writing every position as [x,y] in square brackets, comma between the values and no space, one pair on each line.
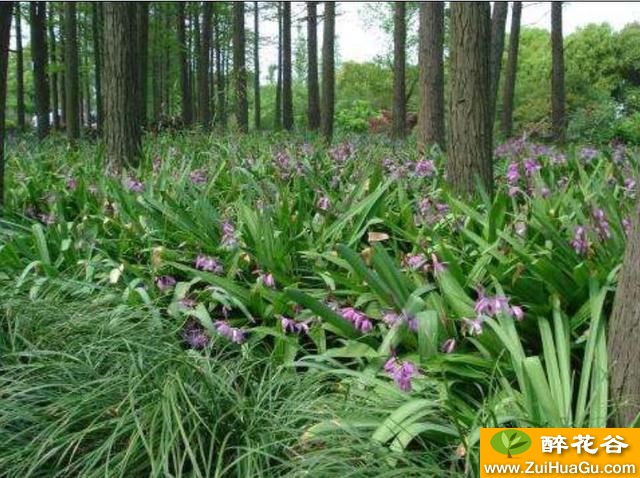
[264,306]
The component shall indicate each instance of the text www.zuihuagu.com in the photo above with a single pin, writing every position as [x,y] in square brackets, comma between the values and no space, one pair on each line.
[583,468]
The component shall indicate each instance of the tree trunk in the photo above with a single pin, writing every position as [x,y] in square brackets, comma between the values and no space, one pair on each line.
[121,132]
[624,333]
[278,106]
[87,75]
[510,74]
[142,53]
[185,88]
[19,70]
[39,58]
[328,72]
[61,76]
[287,78]
[498,22]
[469,144]
[53,59]
[399,114]
[166,61]
[71,71]
[239,68]
[256,64]
[558,116]
[96,21]
[431,64]
[313,88]
[220,80]
[5,33]
[204,99]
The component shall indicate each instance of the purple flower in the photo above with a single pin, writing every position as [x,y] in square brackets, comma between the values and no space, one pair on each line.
[47,219]
[135,186]
[229,239]
[416,262]
[601,224]
[236,335]
[517,312]
[472,326]
[198,176]
[165,282]
[267,280]
[448,346]
[588,154]
[629,187]
[513,173]
[359,320]
[188,303]
[293,326]
[425,168]
[558,158]
[195,336]
[208,263]
[72,184]
[579,242]
[437,265]
[401,372]
[340,153]
[531,166]
[323,203]
[492,306]
[391,319]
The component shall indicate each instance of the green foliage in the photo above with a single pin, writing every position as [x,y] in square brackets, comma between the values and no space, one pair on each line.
[355,119]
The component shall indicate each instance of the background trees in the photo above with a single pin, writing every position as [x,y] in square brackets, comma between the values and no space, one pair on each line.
[399,86]
[38,19]
[239,69]
[5,30]
[558,115]
[328,72]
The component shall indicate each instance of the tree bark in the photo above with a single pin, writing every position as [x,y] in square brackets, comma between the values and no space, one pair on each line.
[204,99]
[328,72]
[287,77]
[278,106]
[470,155]
[53,59]
[399,114]
[96,21]
[313,87]
[39,57]
[498,22]
[121,132]
[239,68]
[256,64]
[142,52]
[185,87]
[86,75]
[431,72]
[558,115]
[220,79]
[71,71]
[510,74]
[62,82]
[5,34]
[624,333]
[19,70]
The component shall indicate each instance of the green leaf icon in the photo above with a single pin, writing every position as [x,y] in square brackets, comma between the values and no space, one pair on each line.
[505,440]
[514,439]
[522,443]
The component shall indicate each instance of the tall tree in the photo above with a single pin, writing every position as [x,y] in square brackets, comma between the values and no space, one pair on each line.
[38,18]
[53,60]
[96,22]
[5,34]
[278,106]
[512,68]
[19,69]
[71,71]
[399,115]
[498,22]
[61,59]
[313,87]
[558,115]
[204,100]
[185,87]
[221,112]
[328,72]
[469,144]
[431,73]
[121,131]
[239,68]
[142,52]
[624,333]
[256,64]
[287,77]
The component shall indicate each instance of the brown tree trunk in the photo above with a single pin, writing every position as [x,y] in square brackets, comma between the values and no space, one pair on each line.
[5,34]
[278,105]
[239,68]
[558,115]
[39,57]
[142,53]
[399,114]
[470,148]
[510,74]
[431,64]
[256,64]
[328,72]
[287,78]
[204,100]
[87,75]
[185,87]
[220,79]
[498,22]
[624,333]
[121,132]
[96,20]
[19,70]
[313,87]
[71,71]
[62,82]
[53,59]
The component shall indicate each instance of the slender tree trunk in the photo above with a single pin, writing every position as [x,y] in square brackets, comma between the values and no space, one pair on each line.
[431,64]
[558,115]
[5,34]
[287,77]
[71,71]
[498,22]
[19,69]
[53,59]
[328,72]
[96,21]
[624,333]
[197,47]
[142,60]
[313,87]
[62,80]
[470,147]
[512,68]
[87,76]
[220,80]
[39,58]
[185,89]
[166,62]
[256,64]
[121,132]
[204,100]
[278,105]
[399,115]
[239,68]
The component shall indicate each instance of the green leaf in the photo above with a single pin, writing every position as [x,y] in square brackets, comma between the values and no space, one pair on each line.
[505,440]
